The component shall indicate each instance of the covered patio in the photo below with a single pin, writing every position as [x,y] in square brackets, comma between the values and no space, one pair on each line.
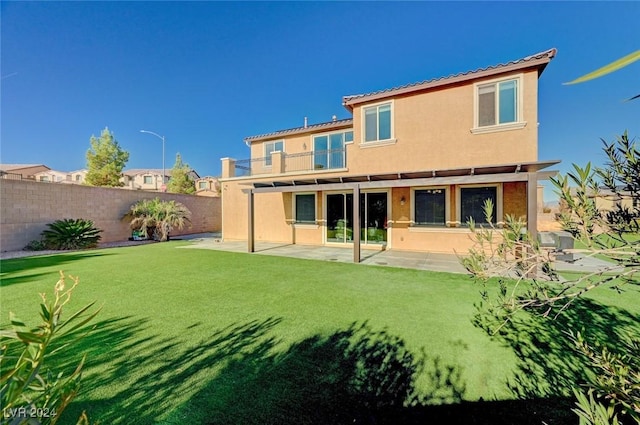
[528,173]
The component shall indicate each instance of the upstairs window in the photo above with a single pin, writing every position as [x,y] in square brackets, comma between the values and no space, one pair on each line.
[377,122]
[269,148]
[328,150]
[498,103]
[148,179]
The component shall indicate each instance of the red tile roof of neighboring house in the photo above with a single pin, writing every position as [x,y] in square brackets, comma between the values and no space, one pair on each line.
[298,130]
[539,60]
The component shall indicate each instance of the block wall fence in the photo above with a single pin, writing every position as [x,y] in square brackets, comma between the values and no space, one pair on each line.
[26,207]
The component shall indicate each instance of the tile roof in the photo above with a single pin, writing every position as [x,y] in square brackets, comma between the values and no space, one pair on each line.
[9,167]
[537,60]
[310,128]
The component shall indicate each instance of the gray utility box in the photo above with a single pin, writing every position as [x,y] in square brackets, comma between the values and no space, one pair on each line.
[559,241]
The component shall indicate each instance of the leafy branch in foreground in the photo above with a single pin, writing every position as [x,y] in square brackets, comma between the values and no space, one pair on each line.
[30,389]
[516,275]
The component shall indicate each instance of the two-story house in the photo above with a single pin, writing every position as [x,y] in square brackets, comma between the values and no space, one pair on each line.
[406,172]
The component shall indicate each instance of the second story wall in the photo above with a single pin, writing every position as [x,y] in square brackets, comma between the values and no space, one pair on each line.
[438,130]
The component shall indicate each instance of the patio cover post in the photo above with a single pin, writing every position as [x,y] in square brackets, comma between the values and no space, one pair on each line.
[532,204]
[356,223]
[532,211]
[250,241]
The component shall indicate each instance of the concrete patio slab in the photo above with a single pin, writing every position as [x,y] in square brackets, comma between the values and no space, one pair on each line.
[448,263]
[405,259]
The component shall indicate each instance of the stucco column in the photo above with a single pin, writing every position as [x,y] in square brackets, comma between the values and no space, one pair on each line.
[532,204]
[356,224]
[277,162]
[228,167]
[250,228]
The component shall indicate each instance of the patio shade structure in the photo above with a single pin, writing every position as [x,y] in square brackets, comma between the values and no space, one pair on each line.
[529,172]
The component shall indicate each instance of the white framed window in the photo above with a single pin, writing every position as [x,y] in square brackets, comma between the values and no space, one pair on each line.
[271,147]
[498,105]
[148,179]
[202,185]
[377,123]
[429,206]
[44,178]
[329,151]
[78,177]
[304,208]
[471,201]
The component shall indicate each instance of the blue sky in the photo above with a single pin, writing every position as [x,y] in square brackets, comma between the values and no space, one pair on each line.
[207,74]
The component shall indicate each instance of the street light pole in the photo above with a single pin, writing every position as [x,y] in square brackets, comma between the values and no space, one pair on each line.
[163,169]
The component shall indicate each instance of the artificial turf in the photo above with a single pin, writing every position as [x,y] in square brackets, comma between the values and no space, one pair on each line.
[200,336]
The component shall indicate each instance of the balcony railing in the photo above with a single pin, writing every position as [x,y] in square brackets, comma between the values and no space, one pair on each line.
[291,163]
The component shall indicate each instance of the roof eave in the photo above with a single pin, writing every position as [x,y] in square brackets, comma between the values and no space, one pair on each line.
[344,123]
[539,63]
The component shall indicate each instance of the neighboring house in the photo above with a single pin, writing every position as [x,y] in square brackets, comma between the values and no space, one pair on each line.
[21,171]
[53,176]
[208,186]
[406,172]
[149,179]
[607,200]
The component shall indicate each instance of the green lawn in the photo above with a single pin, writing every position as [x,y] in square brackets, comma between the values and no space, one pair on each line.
[198,336]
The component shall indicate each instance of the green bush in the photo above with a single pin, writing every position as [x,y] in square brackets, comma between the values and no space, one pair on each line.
[31,391]
[71,234]
[36,245]
[155,218]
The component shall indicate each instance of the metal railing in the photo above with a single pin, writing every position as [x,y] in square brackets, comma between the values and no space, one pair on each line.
[298,162]
[13,176]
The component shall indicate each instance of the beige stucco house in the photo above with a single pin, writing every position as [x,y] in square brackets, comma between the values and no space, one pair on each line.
[21,171]
[149,178]
[54,176]
[208,186]
[405,172]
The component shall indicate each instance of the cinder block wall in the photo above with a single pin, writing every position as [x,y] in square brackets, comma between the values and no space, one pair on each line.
[26,207]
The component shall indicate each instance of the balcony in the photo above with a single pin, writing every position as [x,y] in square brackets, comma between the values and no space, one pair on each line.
[283,163]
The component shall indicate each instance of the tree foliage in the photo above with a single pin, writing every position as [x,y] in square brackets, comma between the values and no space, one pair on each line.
[155,218]
[181,181]
[526,282]
[105,161]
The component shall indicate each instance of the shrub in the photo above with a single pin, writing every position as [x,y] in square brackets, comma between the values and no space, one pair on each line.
[36,245]
[71,234]
[155,218]
[30,388]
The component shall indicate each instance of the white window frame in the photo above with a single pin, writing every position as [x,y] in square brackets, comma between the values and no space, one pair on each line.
[363,125]
[144,179]
[302,224]
[268,157]
[412,207]
[518,124]
[328,134]
[498,207]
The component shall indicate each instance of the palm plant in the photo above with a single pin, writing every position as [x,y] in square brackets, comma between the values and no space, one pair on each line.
[155,218]
[71,234]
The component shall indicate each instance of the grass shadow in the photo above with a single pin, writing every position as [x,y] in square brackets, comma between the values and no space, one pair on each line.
[355,375]
[549,366]
[10,266]
[152,370]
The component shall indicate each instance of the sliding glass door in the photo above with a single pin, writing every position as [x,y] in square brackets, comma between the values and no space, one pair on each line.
[373,217]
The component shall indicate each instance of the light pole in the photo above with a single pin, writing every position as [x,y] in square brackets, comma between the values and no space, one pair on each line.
[161,138]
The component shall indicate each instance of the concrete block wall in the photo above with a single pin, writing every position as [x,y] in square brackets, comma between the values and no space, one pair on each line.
[26,207]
